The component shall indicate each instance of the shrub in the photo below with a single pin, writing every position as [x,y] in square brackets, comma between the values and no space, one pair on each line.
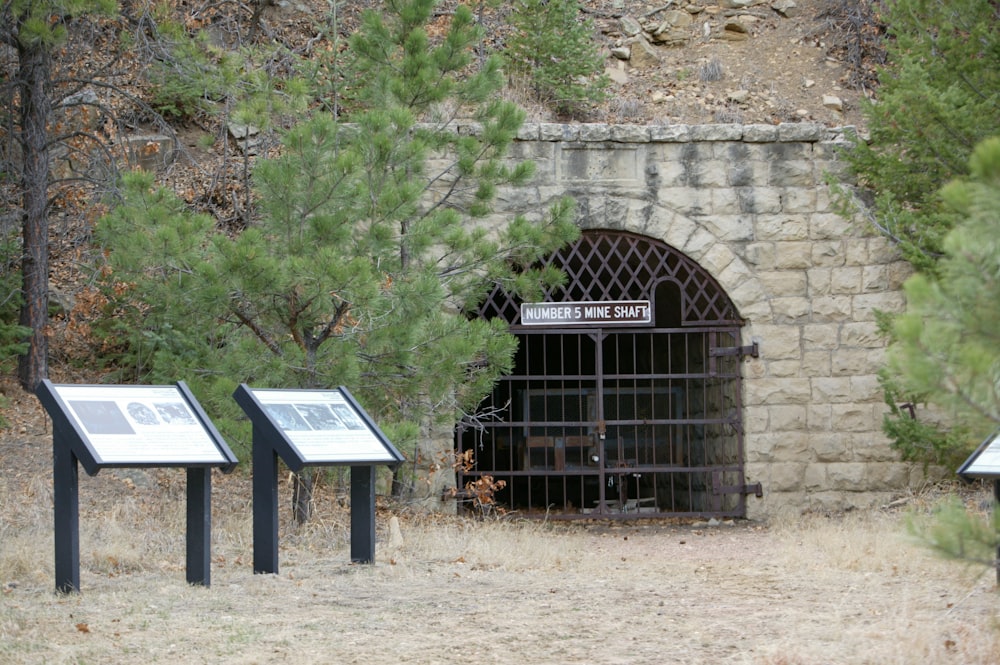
[554,52]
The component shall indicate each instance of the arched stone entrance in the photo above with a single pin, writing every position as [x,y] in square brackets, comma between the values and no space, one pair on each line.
[620,411]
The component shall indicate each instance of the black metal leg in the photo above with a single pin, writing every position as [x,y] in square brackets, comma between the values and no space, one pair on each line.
[66,499]
[199,526]
[363,514]
[265,508]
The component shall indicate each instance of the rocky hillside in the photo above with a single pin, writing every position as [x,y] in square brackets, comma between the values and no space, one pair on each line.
[670,62]
[703,61]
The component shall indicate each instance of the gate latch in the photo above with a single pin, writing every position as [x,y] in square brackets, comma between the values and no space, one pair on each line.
[718,488]
[742,351]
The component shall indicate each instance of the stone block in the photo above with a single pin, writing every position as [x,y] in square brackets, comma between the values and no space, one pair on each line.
[800,131]
[785,477]
[671,173]
[784,368]
[717,258]
[629,134]
[820,281]
[799,200]
[872,447]
[528,132]
[845,281]
[760,133]
[790,310]
[755,421]
[792,173]
[778,342]
[831,389]
[820,419]
[730,228]
[707,173]
[670,133]
[761,255]
[828,226]
[814,478]
[898,272]
[771,391]
[751,301]
[787,418]
[690,201]
[792,255]
[726,202]
[815,363]
[866,388]
[875,278]
[864,334]
[848,476]
[856,251]
[881,250]
[853,362]
[782,227]
[866,305]
[548,131]
[760,200]
[675,229]
[784,283]
[824,336]
[827,309]
[853,418]
[734,274]
[698,243]
[828,253]
[720,132]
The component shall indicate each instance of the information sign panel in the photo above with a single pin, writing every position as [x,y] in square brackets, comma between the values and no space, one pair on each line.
[312,427]
[985,462]
[611,312]
[139,426]
[326,426]
[130,426]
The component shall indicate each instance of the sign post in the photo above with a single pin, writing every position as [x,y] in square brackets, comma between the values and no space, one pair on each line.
[102,427]
[985,463]
[312,427]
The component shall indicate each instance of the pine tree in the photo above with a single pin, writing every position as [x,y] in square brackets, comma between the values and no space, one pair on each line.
[947,345]
[371,245]
[35,30]
[938,96]
[554,52]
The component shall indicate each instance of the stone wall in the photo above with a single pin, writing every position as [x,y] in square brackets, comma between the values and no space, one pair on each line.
[750,205]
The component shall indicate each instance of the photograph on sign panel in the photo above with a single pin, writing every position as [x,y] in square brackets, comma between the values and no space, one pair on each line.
[175,413]
[142,414]
[348,416]
[101,417]
[319,416]
[287,417]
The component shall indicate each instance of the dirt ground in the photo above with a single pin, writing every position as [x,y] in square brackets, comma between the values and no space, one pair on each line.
[840,589]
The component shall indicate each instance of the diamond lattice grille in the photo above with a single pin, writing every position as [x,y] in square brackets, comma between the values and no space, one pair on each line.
[604,265]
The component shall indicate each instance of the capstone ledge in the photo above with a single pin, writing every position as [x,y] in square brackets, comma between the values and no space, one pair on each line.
[788,132]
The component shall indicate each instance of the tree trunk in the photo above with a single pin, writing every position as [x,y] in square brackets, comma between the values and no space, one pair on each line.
[302,491]
[35,106]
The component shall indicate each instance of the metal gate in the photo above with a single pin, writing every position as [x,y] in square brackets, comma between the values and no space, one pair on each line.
[626,421]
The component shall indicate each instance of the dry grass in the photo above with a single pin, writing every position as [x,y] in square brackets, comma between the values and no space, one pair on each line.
[844,589]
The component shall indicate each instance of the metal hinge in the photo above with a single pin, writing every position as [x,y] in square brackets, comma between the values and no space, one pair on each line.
[718,488]
[741,351]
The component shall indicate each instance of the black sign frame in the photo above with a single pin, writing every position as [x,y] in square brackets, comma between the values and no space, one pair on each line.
[273,440]
[73,445]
